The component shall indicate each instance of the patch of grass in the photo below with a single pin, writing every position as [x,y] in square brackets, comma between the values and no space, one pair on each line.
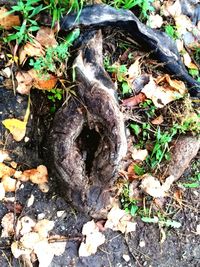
[28,9]
[54,56]
[171,31]
[145,6]
[194,180]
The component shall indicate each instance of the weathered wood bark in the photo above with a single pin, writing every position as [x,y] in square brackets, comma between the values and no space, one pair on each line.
[88,136]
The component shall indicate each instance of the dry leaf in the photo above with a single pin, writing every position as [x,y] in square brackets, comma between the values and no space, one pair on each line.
[5,170]
[183,24]
[45,36]
[43,227]
[43,82]
[25,225]
[9,183]
[139,154]
[44,253]
[33,49]
[58,248]
[153,187]
[119,220]
[7,223]
[29,240]
[8,21]
[158,120]
[2,191]
[155,21]
[134,70]
[4,155]
[172,9]
[25,82]
[18,250]
[162,95]
[6,72]
[37,176]
[92,241]
[178,196]
[134,100]
[16,127]
[188,61]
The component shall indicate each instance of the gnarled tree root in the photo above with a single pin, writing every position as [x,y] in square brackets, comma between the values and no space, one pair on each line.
[88,137]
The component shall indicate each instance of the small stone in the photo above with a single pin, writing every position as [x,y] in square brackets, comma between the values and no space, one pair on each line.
[126,257]
[142,243]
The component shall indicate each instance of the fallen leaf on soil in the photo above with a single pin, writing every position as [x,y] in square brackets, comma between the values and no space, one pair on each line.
[29,240]
[4,155]
[16,127]
[37,176]
[134,100]
[7,223]
[2,191]
[7,21]
[155,21]
[119,220]
[9,183]
[153,187]
[162,95]
[178,196]
[25,82]
[139,154]
[158,120]
[24,225]
[43,227]
[183,24]
[44,253]
[18,250]
[6,72]
[5,170]
[58,248]
[171,8]
[188,61]
[45,36]
[33,49]
[134,70]
[43,82]
[92,241]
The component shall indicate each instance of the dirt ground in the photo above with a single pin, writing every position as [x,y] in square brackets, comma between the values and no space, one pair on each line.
[144,247]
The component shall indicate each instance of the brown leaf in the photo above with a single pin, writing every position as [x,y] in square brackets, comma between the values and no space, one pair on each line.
[45,36]
[178,196]
[33,49]
[37,176]
[43,82]
[7,223]
[134,100]
[5,170]
[8,21]
[25,82]
[158,120]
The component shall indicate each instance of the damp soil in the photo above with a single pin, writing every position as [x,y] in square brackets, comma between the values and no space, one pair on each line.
[144,247]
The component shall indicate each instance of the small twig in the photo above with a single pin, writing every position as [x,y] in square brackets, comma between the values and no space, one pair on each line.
[53,239]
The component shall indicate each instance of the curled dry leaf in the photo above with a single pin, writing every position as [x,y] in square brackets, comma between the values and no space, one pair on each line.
[188,61]
[183,24]
[153,187]
[37,176]
[7,223]
[6,72]
[25,225]
[8,21]
[29,240]
[25,82]
[169,91]
[119,220]
[5,170]
[134,100]
[43,82]
[93,239]
[33,49]
[171,8]
[45,36]
[44,253]
[134,70]
[9,183]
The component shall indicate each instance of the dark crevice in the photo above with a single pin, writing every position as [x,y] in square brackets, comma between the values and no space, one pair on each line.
[88,142]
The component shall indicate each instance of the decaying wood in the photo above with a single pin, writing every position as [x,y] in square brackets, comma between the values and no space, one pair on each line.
[87,167]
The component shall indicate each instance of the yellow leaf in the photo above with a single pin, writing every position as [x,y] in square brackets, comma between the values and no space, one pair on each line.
[16,127]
